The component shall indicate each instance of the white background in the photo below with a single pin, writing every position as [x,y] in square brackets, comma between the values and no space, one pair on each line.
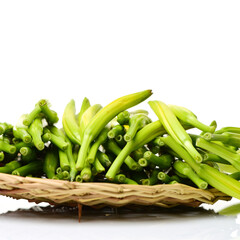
[187,52]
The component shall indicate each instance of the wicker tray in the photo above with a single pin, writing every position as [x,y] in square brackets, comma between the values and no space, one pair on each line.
[59,192]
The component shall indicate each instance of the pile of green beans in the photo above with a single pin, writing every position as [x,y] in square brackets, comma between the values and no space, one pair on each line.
[116,145]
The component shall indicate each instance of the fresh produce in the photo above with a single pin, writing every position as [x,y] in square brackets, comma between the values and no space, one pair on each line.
[116,145]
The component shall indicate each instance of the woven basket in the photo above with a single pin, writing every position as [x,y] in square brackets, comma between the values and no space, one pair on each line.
[59,192]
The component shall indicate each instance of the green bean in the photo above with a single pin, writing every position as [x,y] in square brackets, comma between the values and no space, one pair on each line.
[58,141]
[84,106]
[114,148]
[189,117]
[130,181]
[1,156]
[9,167]
[102,137]
[143,162]
[104,159]
[145,135]
[28,154]
[29,118]
[153,179]
[221,151]
[51,163]
[136,122]
[86,173]
[174,127]
[63,159]
[213,177]
[164,161]
[115,131]
[98,167]
[5,127]
[120,178]
[65,175]
[22,134]
[104,116]
[228,129]
[186,171]
[78,179]
[50,115]
[46,137]
[6,147]
[163,177]
[123,117]
[30,168]
[210,157]
[70,124]
[36,131]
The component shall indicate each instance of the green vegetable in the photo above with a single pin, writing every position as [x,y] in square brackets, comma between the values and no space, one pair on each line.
[136,122]
[164,161]
[9,167]
[70,124]
[102,137]
[6,147]
[33,167]
[49,114]
[221,151]
[213,177]
[116,131]
[123,117]
[51,163]
[32,115]
[104,116]
[186,171]
[23,134]
[36,131]
[145,135]
[112,146]
[174,128]
[63,159]
[189,117]
[84,106]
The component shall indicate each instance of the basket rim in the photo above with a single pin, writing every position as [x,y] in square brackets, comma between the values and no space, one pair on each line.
[105,193]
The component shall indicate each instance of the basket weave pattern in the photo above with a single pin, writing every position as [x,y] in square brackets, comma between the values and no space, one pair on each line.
[105,194]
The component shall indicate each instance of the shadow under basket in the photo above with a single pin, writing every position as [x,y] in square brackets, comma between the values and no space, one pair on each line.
[98,195]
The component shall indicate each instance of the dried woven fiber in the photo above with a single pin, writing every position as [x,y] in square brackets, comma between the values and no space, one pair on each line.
[105,194]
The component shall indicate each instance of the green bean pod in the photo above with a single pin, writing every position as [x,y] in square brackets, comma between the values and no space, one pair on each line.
[164,161]
[212,176]
[23,134]
[30,168]
[102,137]
[189,117]
[174,127]
[9,167]
[84,106]
[136,122]
[36,131]
[50,163]
[104,116]
[221,151]
[112,146]
[123,117]
[28,153]
[70,124]
[145,135]
[63,159]
[6,147]
[186,171]
[32,115]
[50,115]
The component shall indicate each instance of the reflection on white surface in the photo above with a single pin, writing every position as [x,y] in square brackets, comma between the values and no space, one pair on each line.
[47,222]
